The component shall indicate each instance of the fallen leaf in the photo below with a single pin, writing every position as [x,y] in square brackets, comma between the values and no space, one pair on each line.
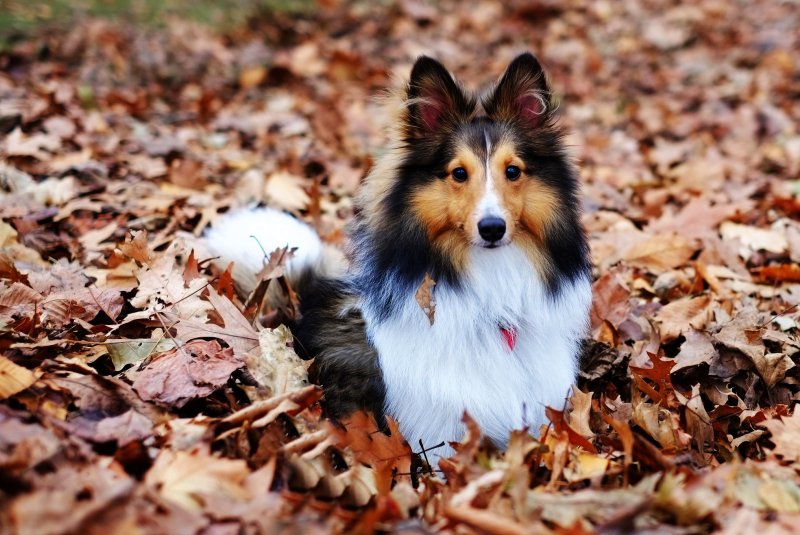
[697,219]
[698,348]
[385,453]
[580,412]
[425,298]
[162,288]
[124,351]
[70,498]
[189,478]
[13,378]
[698,423]
[137,247]
[662,425]
[742,334]
[772,367]
[610,299]
[786,436]
[124,429]
[237,331]
[679,316]
[252,76]
[754,239]
[661,252]
[277,366]
[286,191]
[186,174]
[586,466]
[191,371]
[777,273]
[37,145]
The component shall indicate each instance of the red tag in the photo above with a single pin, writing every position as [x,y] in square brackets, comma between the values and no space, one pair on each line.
[510,336]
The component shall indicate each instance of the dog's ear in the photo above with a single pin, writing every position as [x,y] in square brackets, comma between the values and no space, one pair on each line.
[434,99]
[522,94]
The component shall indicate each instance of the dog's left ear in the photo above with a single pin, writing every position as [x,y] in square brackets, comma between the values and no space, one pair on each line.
[522,94]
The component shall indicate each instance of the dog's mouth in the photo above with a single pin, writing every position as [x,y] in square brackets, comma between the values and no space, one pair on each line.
[492,244]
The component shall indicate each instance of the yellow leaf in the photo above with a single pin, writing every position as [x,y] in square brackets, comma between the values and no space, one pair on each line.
[661,252]
[190,478]
[252,76]
[586,466]
[13,378]
[285,190]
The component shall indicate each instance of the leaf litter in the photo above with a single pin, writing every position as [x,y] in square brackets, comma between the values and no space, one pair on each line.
[137,393]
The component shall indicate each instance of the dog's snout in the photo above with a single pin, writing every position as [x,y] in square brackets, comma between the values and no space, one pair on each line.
[491,229]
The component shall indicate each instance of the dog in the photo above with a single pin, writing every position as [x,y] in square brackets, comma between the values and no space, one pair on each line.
[478,195]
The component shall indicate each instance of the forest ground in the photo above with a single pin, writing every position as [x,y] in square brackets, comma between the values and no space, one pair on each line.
[137,393]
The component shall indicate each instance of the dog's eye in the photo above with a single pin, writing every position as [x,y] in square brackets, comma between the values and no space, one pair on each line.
[513,172]
[459,174]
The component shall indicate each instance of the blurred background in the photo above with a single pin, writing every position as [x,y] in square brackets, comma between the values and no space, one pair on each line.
[273,100]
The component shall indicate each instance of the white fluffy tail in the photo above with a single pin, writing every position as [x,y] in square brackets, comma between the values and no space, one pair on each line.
[243,236]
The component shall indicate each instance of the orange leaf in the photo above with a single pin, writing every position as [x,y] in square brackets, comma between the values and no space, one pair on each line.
[777,273]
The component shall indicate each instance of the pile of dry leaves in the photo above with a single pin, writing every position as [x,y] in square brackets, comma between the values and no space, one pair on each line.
[138,394]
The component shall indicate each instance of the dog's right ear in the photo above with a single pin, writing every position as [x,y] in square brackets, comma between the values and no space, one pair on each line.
[522,94]
[434,99]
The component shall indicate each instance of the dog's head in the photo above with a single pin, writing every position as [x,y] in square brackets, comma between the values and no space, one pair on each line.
[484,172]
[470,173]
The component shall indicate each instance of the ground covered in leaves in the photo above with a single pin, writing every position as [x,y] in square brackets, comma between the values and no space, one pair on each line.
[139,394]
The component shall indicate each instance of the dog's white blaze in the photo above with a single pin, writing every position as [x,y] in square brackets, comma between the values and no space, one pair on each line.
[489,205]
[461,363]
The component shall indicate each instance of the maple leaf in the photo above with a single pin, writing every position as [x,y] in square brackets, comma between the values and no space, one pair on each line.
[236,331]
[386,454]
[277,366]
[137,247]
[162,287]
[786,436]
[660,375]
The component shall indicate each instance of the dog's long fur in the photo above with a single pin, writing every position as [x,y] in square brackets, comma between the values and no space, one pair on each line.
[509,311]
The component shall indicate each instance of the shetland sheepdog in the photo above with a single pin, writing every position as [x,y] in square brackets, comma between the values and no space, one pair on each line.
[478,194]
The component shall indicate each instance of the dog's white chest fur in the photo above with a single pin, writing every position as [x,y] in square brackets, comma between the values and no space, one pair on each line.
[433,373]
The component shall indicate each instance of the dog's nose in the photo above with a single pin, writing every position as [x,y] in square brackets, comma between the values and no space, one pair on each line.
[491,229]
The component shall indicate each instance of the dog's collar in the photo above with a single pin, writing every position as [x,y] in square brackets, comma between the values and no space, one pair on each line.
[510,336]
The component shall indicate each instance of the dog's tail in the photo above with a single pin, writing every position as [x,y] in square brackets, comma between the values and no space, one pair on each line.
[246,237]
